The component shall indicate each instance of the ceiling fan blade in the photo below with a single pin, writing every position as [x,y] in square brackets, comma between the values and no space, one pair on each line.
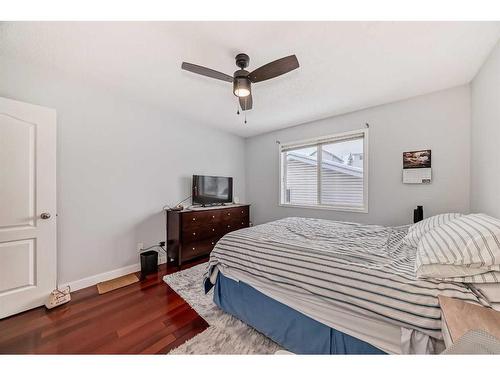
[246,102]
[274,69]
[206,72]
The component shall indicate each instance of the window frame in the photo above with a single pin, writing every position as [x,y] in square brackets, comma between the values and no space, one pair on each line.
[316,142]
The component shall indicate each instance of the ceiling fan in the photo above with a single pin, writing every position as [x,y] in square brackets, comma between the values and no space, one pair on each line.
[242,80]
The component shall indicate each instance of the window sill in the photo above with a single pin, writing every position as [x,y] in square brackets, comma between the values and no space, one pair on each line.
[363,210]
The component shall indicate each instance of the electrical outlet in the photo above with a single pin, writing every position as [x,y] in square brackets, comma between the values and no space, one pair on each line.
[140,246]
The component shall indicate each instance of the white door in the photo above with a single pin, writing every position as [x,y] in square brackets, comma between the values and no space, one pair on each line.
[28,263]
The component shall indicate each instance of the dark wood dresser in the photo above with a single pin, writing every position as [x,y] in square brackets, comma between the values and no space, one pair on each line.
[194,233]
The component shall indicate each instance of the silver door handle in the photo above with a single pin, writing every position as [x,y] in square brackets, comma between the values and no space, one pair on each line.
[45,216]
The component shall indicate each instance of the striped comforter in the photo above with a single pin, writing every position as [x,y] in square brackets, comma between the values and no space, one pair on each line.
[364,269]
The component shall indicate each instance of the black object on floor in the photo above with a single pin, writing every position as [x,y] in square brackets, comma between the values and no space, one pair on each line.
[418,214]
[149,263]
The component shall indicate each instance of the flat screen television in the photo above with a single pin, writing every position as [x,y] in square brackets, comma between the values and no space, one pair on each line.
[210,190]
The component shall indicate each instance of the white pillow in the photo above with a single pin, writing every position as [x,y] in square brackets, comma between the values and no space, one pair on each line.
[466,249]
[417,230]
[490,290]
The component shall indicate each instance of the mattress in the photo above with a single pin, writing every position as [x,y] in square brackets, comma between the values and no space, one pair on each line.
[334,271]
[289,328]
[387,337]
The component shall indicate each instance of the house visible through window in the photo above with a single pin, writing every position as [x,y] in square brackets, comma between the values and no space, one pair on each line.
[326,172]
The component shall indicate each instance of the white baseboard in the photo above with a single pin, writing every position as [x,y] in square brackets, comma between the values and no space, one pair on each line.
[95,279]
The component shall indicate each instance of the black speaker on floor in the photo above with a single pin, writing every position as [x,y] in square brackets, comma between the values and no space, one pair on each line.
[149,263]
[418,214]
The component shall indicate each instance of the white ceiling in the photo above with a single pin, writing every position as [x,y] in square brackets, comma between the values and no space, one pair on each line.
[344,66]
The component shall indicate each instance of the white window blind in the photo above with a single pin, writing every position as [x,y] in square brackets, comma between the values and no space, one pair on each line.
[327,172]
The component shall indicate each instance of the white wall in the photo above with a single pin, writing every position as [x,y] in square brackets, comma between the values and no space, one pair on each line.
[439,121]
[485,148]
[119,162]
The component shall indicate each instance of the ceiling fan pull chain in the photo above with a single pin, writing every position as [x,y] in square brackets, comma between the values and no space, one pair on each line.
[237,107]
[246,106]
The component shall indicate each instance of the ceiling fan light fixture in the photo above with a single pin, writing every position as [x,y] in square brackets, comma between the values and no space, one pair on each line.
[242,79]
[241,87]
[241,93]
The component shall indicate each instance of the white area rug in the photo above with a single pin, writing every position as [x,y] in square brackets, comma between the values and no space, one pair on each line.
[226,334]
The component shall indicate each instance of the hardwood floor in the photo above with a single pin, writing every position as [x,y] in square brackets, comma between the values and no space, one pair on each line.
[146,317]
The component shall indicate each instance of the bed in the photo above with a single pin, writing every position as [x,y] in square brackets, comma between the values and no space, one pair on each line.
[325,287]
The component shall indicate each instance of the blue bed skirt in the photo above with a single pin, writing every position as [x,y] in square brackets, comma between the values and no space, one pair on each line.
[292,330]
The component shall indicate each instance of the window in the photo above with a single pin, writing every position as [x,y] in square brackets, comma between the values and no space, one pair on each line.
[327,172]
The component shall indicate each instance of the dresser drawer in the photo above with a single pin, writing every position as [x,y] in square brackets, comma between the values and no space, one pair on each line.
[196,249]
[234,224]
[195,233]
[201,217]
[236,213]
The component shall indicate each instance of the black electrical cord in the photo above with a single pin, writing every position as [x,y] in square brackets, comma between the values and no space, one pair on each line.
[154,246]
[182,201]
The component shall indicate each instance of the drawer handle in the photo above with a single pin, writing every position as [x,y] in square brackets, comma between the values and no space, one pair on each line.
[213,229]
[213,243]
[194,233]
[213,216]
[242,211]
[229,226]
[194,248]
[242,223]
[194,219]
[229,214]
